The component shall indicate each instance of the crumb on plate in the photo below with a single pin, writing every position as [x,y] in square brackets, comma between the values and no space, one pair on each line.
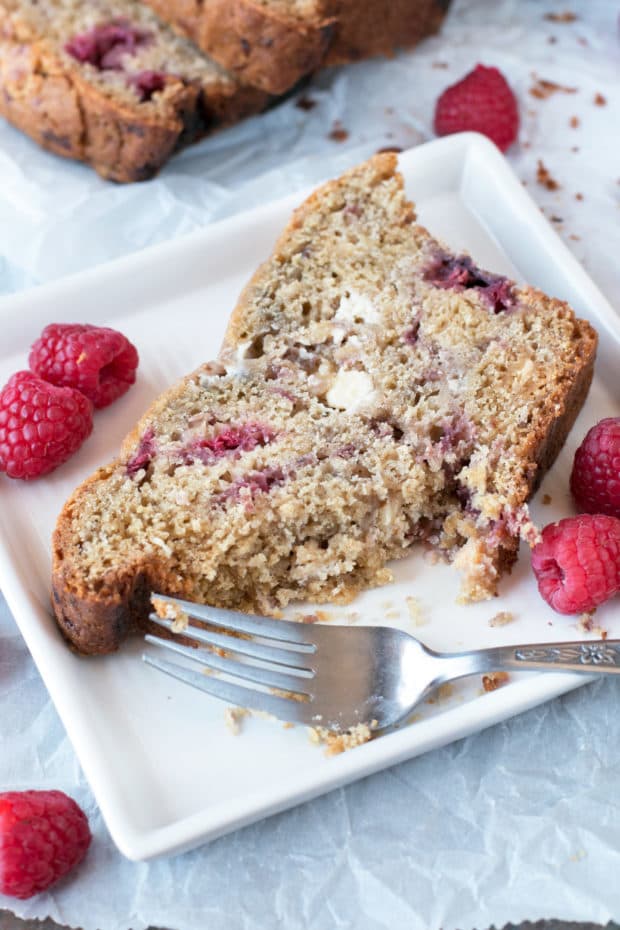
[336,743]
[494,680]
[544,178]
[502,618]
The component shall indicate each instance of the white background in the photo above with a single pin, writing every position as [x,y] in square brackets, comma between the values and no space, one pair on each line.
[520,822]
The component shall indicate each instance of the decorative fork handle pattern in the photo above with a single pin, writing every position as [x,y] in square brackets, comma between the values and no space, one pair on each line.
[594,657]
[588,654]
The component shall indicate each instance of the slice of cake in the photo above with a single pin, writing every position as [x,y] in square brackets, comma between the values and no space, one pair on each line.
[108,83]
[373,391]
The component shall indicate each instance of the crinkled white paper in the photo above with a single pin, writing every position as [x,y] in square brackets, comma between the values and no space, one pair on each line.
[519,822]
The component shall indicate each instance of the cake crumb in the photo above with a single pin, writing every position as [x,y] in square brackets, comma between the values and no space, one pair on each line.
[392,615]
[578,196]
[502,618]
[599,100]
[389,148]
[544,178]
[442,65]
[441,694]
[306,618]
[445,691]
[416,614]
[288,725]
[585,623]
[353,616]
[541,89]
[233,717]
[336,743]
[566,17]
[305,103]
[169,611]
[574,122]
[546,499]
[338,133]
[494,680]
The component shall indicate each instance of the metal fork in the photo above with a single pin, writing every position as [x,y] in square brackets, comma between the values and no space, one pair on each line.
[340,676]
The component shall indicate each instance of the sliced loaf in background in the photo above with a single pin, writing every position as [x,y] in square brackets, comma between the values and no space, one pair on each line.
[108,83]
[272,44]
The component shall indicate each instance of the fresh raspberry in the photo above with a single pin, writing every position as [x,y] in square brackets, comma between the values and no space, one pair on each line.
[483,102]
[577,562]
[40,425]
[43,835]
[595,479]
[99,362]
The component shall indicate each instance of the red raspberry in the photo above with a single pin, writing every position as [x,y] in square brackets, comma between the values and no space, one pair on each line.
[595,479]
[40,425]
[577,563]
[99,362]
[483,102]
[43,834]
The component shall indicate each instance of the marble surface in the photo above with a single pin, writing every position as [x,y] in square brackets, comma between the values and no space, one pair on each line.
[519,822]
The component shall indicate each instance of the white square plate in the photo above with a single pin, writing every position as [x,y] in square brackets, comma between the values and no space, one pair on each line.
[166,771]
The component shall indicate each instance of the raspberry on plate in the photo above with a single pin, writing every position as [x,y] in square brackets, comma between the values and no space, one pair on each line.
[577,562]
[99,362]
[483,102]
[40,425]
[595,478]
[43,835]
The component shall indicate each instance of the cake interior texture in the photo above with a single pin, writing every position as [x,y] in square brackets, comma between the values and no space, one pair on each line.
[374,391]
[116,41]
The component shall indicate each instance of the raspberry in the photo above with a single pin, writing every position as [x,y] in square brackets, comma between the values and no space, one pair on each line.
[483,102]
[105,46]
[147,83]
[43,835]
[99,362]
[577,562]
[40,425]
[595,479]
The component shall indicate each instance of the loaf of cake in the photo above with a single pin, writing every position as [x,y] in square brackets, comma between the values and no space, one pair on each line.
[374,391]
[108,83]
[271,44]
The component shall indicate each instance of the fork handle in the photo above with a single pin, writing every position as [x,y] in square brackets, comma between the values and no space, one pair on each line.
[595,656]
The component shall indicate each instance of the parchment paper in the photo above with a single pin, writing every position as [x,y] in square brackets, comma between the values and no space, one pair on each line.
[519,822]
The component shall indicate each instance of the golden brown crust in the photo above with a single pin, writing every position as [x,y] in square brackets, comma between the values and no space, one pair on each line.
[54,103]
[262,47]
[548,442]
[266,48]
[382,28]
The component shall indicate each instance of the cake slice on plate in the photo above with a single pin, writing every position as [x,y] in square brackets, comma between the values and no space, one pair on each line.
[374,390]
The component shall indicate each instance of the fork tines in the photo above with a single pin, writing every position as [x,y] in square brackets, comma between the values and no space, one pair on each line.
[274,655]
